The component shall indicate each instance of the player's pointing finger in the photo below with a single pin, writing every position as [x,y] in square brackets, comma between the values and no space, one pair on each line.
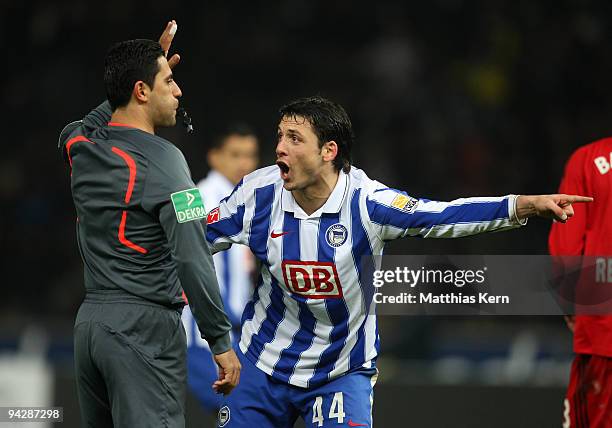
[577,198]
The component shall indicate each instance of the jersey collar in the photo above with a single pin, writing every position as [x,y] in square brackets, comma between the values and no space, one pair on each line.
[332,205]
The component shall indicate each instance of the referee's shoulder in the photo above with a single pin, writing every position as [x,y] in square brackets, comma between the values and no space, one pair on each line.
[156,142]
[159,147]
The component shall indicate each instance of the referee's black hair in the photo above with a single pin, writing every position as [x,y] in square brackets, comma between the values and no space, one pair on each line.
[329,122]
[125,64]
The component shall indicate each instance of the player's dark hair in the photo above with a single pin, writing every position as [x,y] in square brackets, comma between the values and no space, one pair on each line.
[241,129]
[125,64]
[329,122]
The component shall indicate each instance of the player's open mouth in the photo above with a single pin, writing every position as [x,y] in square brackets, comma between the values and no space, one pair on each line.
[284,169]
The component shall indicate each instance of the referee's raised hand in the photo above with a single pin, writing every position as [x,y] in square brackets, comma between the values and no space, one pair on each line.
[165,40]
[229,372]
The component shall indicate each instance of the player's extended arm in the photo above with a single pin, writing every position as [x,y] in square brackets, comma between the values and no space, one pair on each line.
[399,215]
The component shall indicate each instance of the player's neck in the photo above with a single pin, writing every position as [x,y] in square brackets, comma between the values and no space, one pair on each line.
[136,118]
[314,196]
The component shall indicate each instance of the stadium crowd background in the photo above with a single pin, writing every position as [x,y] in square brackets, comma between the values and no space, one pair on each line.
[448,98]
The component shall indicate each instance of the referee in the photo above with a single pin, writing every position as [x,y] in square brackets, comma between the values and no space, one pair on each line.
[141,238]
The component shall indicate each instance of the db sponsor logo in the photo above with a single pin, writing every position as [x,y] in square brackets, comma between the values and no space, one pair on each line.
[314,280]
[213,216]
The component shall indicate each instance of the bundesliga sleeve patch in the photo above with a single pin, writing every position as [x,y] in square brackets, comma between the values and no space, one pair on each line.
[405,203]
[188,205]
[213,216]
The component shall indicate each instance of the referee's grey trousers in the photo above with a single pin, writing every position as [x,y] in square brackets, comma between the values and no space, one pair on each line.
[130,362]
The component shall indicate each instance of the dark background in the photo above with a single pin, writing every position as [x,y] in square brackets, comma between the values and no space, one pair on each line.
[448,98]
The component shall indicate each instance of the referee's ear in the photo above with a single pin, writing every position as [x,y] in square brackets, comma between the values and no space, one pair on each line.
[141,91]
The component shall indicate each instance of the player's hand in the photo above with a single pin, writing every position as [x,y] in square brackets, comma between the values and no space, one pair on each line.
[229,372]
[556,207]
[165,40]
[570,321]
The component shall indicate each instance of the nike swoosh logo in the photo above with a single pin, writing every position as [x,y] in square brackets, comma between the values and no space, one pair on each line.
[353,424]
[276,235]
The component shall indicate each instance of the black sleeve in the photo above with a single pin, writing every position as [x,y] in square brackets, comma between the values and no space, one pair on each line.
[190,250]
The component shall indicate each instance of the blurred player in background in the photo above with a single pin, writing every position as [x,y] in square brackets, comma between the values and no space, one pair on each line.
[142,245]
[588,402]
[309,339]
[233,155]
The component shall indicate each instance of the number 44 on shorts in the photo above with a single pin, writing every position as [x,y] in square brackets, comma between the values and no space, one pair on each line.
[336,411]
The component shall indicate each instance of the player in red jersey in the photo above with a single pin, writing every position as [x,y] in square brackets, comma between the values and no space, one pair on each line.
[588,402]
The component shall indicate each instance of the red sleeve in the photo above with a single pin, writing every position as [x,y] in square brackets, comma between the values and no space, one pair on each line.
[567,239]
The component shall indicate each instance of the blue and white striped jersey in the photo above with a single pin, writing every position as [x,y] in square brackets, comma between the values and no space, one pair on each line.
[309,319]
[233,267]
